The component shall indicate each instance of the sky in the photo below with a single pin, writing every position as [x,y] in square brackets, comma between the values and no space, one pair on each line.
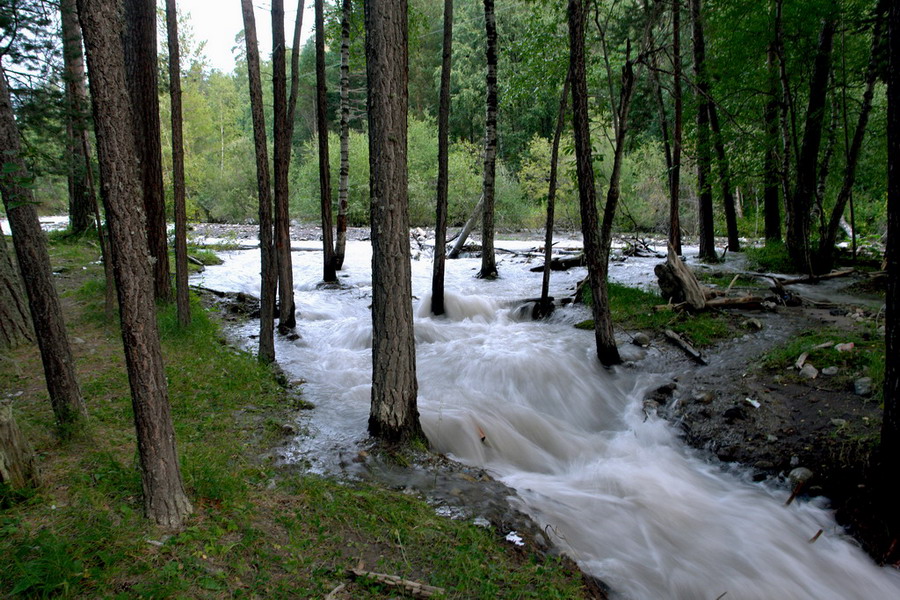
[218,21]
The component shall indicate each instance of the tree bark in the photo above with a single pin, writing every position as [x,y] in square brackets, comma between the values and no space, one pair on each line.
[798,208]
[182,299]
[467,229]
[15,324]
[142,75]
[268,258]
[164,499]
[287,318]
[771,179]
[34,265]
[587,193]
[394,416]
[677,100]
[80,199]
[488,260]
[443,180]
[329,273]
[340,248]
[18,464]
[704,161]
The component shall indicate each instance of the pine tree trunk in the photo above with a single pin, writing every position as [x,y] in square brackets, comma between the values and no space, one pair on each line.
[443,179]
[704,160]
[771,180]
[344,182]
[329,273]
[18,464]
[394,416]
[734,243]
[587,193]
[677,100]
[281,162]
[182,299]
[15,324]
[266,233]
[798,208]
[488,260]
[34,265]
[142,74]
[164,499]
[80,200]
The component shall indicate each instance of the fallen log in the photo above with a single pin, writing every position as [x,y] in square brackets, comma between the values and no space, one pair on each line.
[562,264]
[749,302]
[413,588]
[816,278]
[679,341]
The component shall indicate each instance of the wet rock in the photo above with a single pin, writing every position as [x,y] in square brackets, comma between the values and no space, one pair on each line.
[735,413]
[289,429]
[799,476]
[703,397]
[830,371]
[809,372]
[753,324]
[863,386]
[641,339]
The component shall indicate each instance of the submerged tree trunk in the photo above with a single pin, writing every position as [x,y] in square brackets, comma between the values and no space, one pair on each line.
[15,324]
[677,100]
[80,199]
[443,180]
[34,265]
[266,233]
[182,299]
[329,274]
[340,247]
[704,189]
[142,74]
[800,203]
[287,318]
[488,260]
[734,243]
[394,416]
[771,197]
[164,499]
[587,193]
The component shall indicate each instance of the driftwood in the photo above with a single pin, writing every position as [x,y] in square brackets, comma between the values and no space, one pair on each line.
[749,302]
[817,278]
[413,588]
[562,264]
[684,345]
[678,283]
[18,467]
[466,230]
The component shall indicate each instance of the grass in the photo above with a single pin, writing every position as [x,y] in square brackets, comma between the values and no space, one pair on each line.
[258,530]
[633,309]
[770,258]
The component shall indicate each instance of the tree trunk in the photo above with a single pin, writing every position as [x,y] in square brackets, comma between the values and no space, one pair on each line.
[15,324]
[488,260]
[182,298]
[344,183]
[787,116]
[18,464]
[295,70]
[330,274]
[587,193]
[545,305]
[142,74]
[34,265]
[268,260]
[443,180]
[80,200]
[467,229]
[771,198]
[824,260]
[734,243]
[704,189]
[394,416]
[287,318]
[675,173]
[798,208]
[164,499]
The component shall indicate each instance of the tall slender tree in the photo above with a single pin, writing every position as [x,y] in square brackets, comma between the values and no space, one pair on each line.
[340,247]
[443,180]
[287,318]
[81,201]
[724,167]
[142,72]
[677,134]
[394,415]
[703,153]
[165,501]
[329,273]
[182,299]
[771,179]
[34,265]
[268,259]
[488,260]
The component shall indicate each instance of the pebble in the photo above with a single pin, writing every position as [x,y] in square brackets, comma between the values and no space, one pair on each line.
[830,371]
[863,386]
[809,372]
[641,339]
[800,475]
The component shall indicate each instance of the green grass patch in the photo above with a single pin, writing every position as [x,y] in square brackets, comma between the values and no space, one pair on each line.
[771,258]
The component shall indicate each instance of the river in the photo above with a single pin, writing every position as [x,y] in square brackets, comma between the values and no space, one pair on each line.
[613,487]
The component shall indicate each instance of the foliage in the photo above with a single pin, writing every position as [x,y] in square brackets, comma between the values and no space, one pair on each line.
[770,258]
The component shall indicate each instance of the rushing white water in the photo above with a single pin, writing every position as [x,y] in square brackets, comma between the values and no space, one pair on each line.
[616,490]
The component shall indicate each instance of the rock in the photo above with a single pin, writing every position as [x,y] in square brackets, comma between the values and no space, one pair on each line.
[847,347]
[863,386]
[641,339]
[809,372]
[734,413]
[771,438]
[799,475]
[753,324]
[830,371]
[839,422]
[289,429]
[703,397]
